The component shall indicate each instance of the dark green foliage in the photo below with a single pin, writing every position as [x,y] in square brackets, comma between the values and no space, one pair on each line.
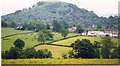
[25,26]
[19,43]
[116,53]
[80,28]
[47,26]
[106,47]
[48,32]
[57,27]
[64,24]
[13,24]
[3,23]
[84,49]
[64,32]
[28,53]
[40,26]
[42,37]
[71,54]
[13,53]
[64,56]
[31,26]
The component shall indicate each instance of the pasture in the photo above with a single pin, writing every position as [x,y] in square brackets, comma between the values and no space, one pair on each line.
[57,51]
[10,31]
[29,39]
[61,61]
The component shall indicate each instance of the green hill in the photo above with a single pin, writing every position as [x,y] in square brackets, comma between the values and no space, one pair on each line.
[49,11]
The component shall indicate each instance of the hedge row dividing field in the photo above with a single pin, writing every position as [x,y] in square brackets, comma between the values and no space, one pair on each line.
[61,61]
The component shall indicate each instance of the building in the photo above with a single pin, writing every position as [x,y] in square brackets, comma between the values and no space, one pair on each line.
[19,27]
[95,33]
[73,29]
[114,32]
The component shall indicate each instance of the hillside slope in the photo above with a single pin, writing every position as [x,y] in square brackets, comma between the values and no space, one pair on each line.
[49,11]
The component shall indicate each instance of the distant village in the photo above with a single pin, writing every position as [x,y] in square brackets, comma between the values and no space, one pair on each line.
[114,33]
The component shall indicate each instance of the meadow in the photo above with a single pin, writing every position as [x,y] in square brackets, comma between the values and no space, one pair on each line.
[10,31]
[29,39]
[61,61]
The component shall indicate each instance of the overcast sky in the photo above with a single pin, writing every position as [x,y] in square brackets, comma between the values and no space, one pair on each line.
[100,7]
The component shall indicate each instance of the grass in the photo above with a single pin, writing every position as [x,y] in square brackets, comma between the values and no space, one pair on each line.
[92,39]
[10,31]
[60,61]
[57,51]
[29,40]
[72,40]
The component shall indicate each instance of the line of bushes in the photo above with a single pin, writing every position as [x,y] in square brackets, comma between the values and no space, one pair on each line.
[57,40]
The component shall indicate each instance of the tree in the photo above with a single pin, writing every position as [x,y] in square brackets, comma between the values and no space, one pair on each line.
[25,26]
[13,53]
[57,27]
[28,53]
[80,28]
[48,32]
[40,26]
[43,53]
[64,24]
[19,43]
[42,37]
[47,26]
[84,49]
[31,26]
[13,25]
[106,47]
[64,33]
[3,23]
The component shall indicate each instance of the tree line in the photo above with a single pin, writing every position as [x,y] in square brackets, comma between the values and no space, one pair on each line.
[85,49]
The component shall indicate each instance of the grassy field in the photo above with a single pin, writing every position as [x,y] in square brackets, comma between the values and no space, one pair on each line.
[29,39]
[57,51]
[72,40]
[60,61]
[10,31]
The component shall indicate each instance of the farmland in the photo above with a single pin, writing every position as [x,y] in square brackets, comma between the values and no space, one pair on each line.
[60,61]
[10,31]
[57,51]
[29,39]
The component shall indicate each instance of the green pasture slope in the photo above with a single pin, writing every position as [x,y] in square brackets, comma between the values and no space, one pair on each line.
[55,47]
[29,39]
[10,31]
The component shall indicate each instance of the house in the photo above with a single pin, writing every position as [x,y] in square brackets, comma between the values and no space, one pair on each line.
[95,33]
[73,29]
[114,32]
[19,27]
[83,34]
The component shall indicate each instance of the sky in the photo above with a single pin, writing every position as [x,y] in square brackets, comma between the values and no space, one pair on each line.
[100,7]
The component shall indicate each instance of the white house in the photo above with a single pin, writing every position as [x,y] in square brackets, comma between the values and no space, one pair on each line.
[95,33]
